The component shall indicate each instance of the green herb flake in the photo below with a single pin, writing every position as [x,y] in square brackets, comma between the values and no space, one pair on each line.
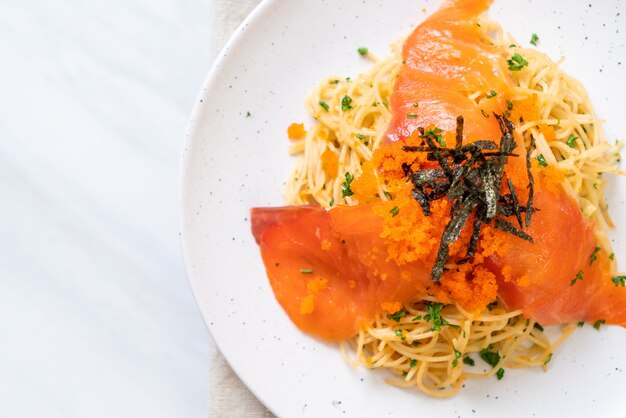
[361,136]
[491,94]
[346,103]
[387,194]
[580,324]
[509,105]
[416,104]
[394,211]
[485,114]
[332,202]
[500,373]
[571,141]
[468,360]
[542,160]
[333,82]
[595,186]
[417,318]
[533,39]
[619,281]
[579,276]
[436,133]
[400,333]
[405,374]
[434,315]
[415,343]
[457,356]
[599,323]
[345,186]
[362,50]
[490,357]
[306,271]
[548,359]
[516,62]
[411,115]
[594,255]
[324,105]
[398,315]
[412,363]
[248,114]
[538,326]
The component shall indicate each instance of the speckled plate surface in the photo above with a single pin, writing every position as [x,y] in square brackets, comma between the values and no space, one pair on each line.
[235,157]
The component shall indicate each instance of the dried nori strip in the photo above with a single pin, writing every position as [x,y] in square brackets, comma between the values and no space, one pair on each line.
[515,203]
[470,176]
[508,227]
[459,133]
[422,200]
[531,182]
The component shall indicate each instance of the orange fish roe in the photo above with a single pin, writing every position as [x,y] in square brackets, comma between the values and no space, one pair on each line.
[525,109]
[307,304]
[325,245]
[473,290]
[391,307]
[296,131]
[330,163]
[366,185]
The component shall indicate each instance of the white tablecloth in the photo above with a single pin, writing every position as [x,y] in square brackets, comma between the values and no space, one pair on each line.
[228,397]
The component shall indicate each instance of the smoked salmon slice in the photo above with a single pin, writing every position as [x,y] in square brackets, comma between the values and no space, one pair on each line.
[333,270]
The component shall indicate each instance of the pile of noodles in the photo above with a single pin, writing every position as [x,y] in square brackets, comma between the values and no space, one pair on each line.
[438,362]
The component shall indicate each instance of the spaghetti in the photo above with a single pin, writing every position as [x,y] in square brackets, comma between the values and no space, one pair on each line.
[554,110]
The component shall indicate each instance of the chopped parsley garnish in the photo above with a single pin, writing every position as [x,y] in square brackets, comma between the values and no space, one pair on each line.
[612,256]
[417,318]
[500,373]
[411,115]
[435,133]
[332,202]
[416,104]
[346,103]
[619,281]
[538,326]
[571,141]
[468,360]
[490,357]
[579,276]
[580,324]
[248,114]
[400,333]
[533,39]
[594,255]
[509,105]
[542,160]
[345,186]
[306,271]
[394,211]
[398,315]
[362,50]
[405,373]
[434,315]
[387,194]
[415,343]
[485,114]
[491,94]
[412,363]
[548,359]
[361,136]
[457,356]
[516,62]
[334,82]
[599,323]
[324,105]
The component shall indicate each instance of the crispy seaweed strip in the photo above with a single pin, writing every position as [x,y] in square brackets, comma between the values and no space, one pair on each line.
[459,133]
[422,199]
[531,182]
[515,203]
[471,179]
[508,227]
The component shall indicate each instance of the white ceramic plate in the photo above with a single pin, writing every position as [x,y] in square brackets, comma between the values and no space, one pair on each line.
[235,157]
